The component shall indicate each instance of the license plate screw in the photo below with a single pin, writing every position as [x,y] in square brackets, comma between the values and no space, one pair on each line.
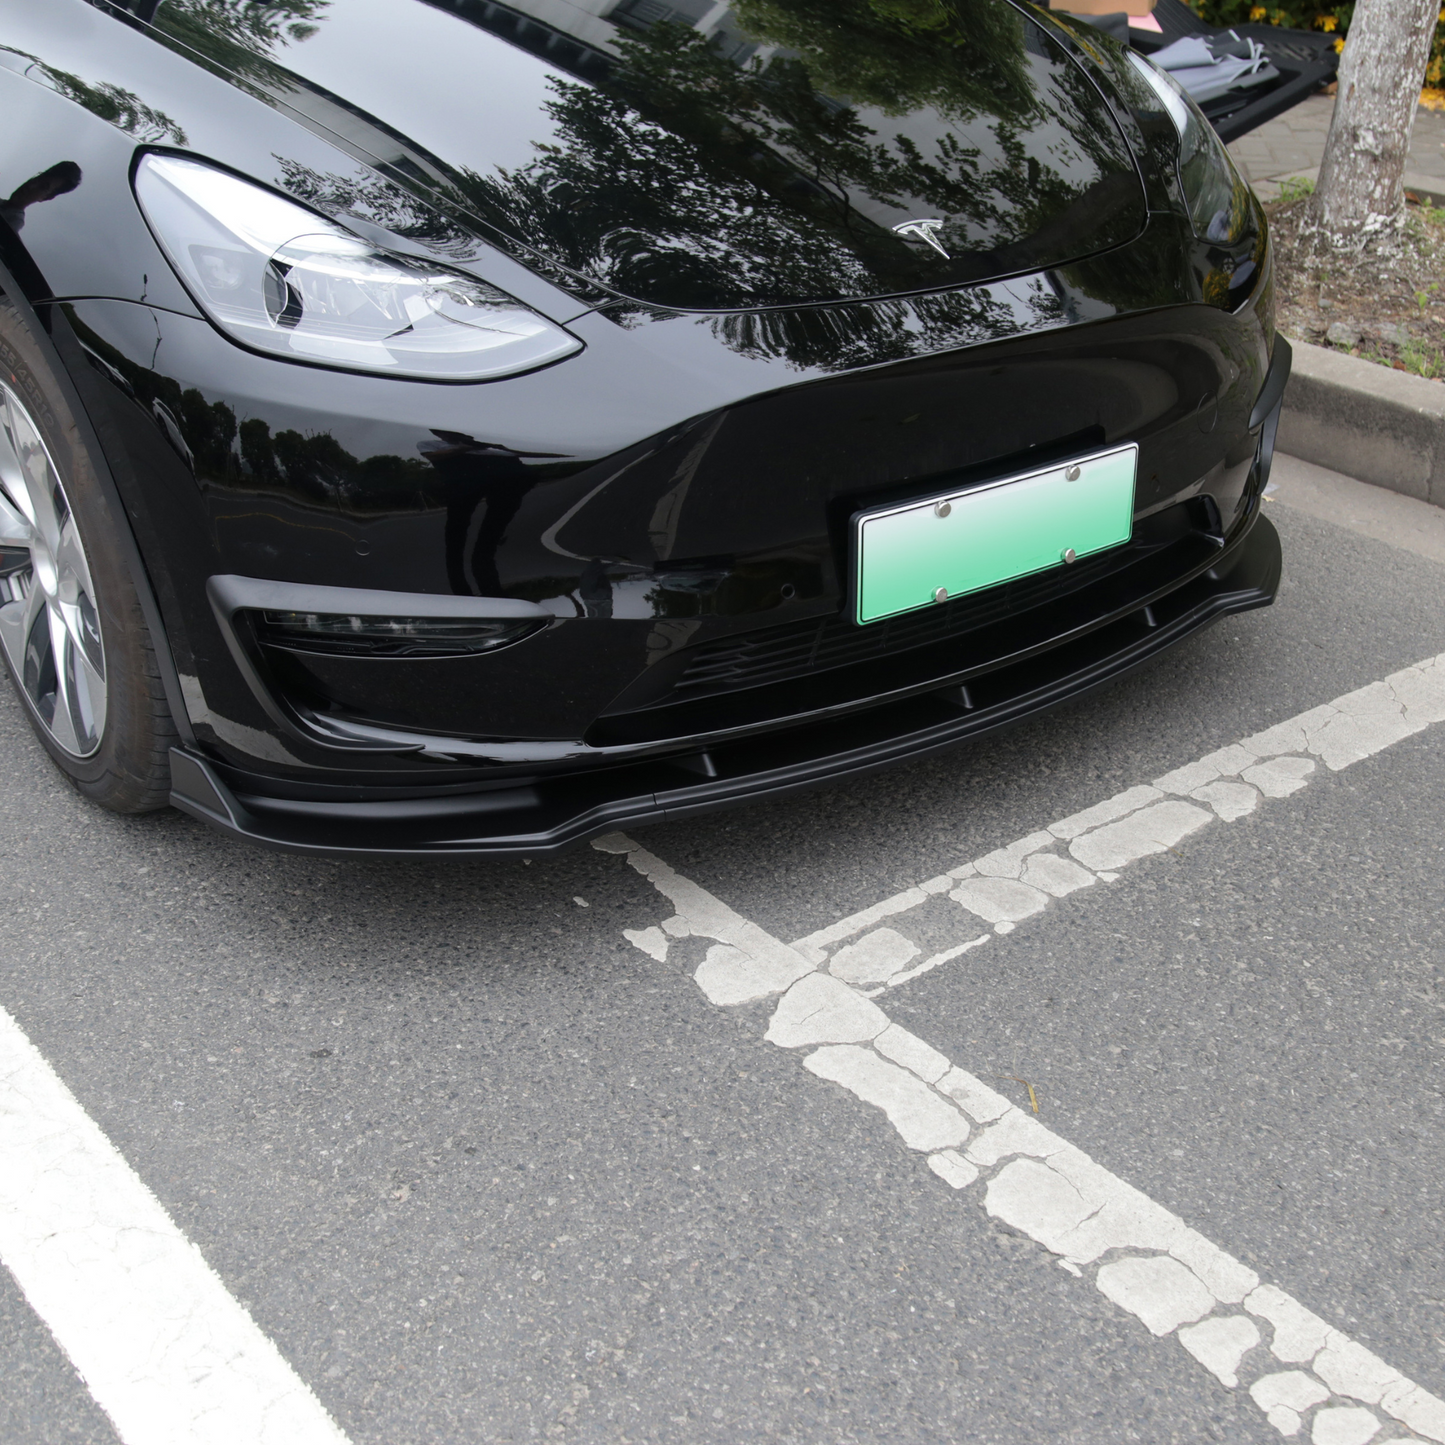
[942,509]
[941,595]
[1071,474]
[1070,555]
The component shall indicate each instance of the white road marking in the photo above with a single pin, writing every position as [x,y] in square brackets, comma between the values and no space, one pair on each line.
[937,958]
[167,1353]
[1026,877]
[1220,1344]
[1140,1255]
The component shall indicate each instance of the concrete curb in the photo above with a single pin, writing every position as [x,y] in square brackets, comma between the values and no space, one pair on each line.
[1367,421]
[1427,188]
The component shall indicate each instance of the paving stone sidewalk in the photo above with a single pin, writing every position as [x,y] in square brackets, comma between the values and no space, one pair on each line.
[1292,145]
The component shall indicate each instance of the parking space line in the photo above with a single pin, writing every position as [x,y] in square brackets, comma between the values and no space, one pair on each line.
[1030,875]
[169,1355]
[1298,1369]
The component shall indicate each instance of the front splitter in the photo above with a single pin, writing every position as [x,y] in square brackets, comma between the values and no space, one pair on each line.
[561,810]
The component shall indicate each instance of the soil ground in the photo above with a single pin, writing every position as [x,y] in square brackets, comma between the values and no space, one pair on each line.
[1385,305]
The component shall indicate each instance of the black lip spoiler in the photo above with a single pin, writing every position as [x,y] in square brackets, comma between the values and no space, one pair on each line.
[549,814]
[1269,405]
[1275,381]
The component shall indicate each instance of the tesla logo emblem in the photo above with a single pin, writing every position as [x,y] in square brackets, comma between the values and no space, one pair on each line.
[924,231]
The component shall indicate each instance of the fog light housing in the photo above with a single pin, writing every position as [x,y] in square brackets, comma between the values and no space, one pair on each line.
[353,635]
[272,627]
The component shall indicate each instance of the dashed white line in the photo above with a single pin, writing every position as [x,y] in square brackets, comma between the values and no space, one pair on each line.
[1138,1254]
[165,1350]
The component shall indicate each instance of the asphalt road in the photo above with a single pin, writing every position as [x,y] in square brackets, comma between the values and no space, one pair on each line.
[484,1170]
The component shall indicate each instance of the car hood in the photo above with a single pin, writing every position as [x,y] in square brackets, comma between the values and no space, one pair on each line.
[707,156]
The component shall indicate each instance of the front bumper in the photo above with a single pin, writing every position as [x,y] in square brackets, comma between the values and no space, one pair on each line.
[549,813]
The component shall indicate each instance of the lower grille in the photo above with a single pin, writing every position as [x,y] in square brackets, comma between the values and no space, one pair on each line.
[775,654]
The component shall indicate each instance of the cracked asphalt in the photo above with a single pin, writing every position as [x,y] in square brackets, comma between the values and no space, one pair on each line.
[484,1171]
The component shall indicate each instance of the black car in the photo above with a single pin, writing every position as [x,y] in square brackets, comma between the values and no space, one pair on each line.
[447,426]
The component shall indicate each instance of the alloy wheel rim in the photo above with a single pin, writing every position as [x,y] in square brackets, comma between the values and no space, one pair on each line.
[49,625]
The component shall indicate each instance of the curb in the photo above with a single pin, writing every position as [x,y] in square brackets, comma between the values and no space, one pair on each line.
[1367,421]
[1428,188]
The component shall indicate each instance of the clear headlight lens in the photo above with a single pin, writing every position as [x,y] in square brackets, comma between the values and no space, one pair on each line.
[285,280]
[1217,197]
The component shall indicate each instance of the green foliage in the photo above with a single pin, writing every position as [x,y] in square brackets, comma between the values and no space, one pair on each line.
[1292,14]
[1422,359]
[1310,15]
[1296,188]
[1416,357]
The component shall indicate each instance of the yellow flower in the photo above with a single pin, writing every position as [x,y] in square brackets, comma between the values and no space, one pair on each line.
[1339,45]
[1328,23]
[1257,12]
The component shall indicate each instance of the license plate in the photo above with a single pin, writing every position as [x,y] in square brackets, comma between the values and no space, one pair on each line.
[924,553]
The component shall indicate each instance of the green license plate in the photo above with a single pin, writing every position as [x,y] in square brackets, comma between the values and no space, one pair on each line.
[923,553]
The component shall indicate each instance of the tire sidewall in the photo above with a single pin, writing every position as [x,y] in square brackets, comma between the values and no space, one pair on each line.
[124,636]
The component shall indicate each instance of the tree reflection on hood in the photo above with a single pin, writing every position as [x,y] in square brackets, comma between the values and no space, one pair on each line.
[674,175]
[686,179]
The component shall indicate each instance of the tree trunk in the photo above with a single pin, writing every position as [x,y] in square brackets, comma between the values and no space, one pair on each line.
[1359,195]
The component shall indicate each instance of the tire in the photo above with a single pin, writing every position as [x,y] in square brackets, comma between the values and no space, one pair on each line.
[72,632]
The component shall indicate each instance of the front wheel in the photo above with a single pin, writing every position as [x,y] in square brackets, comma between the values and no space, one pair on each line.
[71,627]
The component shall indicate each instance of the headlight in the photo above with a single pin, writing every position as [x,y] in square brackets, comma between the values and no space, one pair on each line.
[1217,198]
[283,279]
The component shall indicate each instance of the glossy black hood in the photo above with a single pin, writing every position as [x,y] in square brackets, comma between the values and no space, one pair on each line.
[709,156]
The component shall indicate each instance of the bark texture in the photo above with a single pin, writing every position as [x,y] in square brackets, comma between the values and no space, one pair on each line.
[1359,195]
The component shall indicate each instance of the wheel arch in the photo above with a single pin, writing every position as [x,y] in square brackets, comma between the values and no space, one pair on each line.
[54,352]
